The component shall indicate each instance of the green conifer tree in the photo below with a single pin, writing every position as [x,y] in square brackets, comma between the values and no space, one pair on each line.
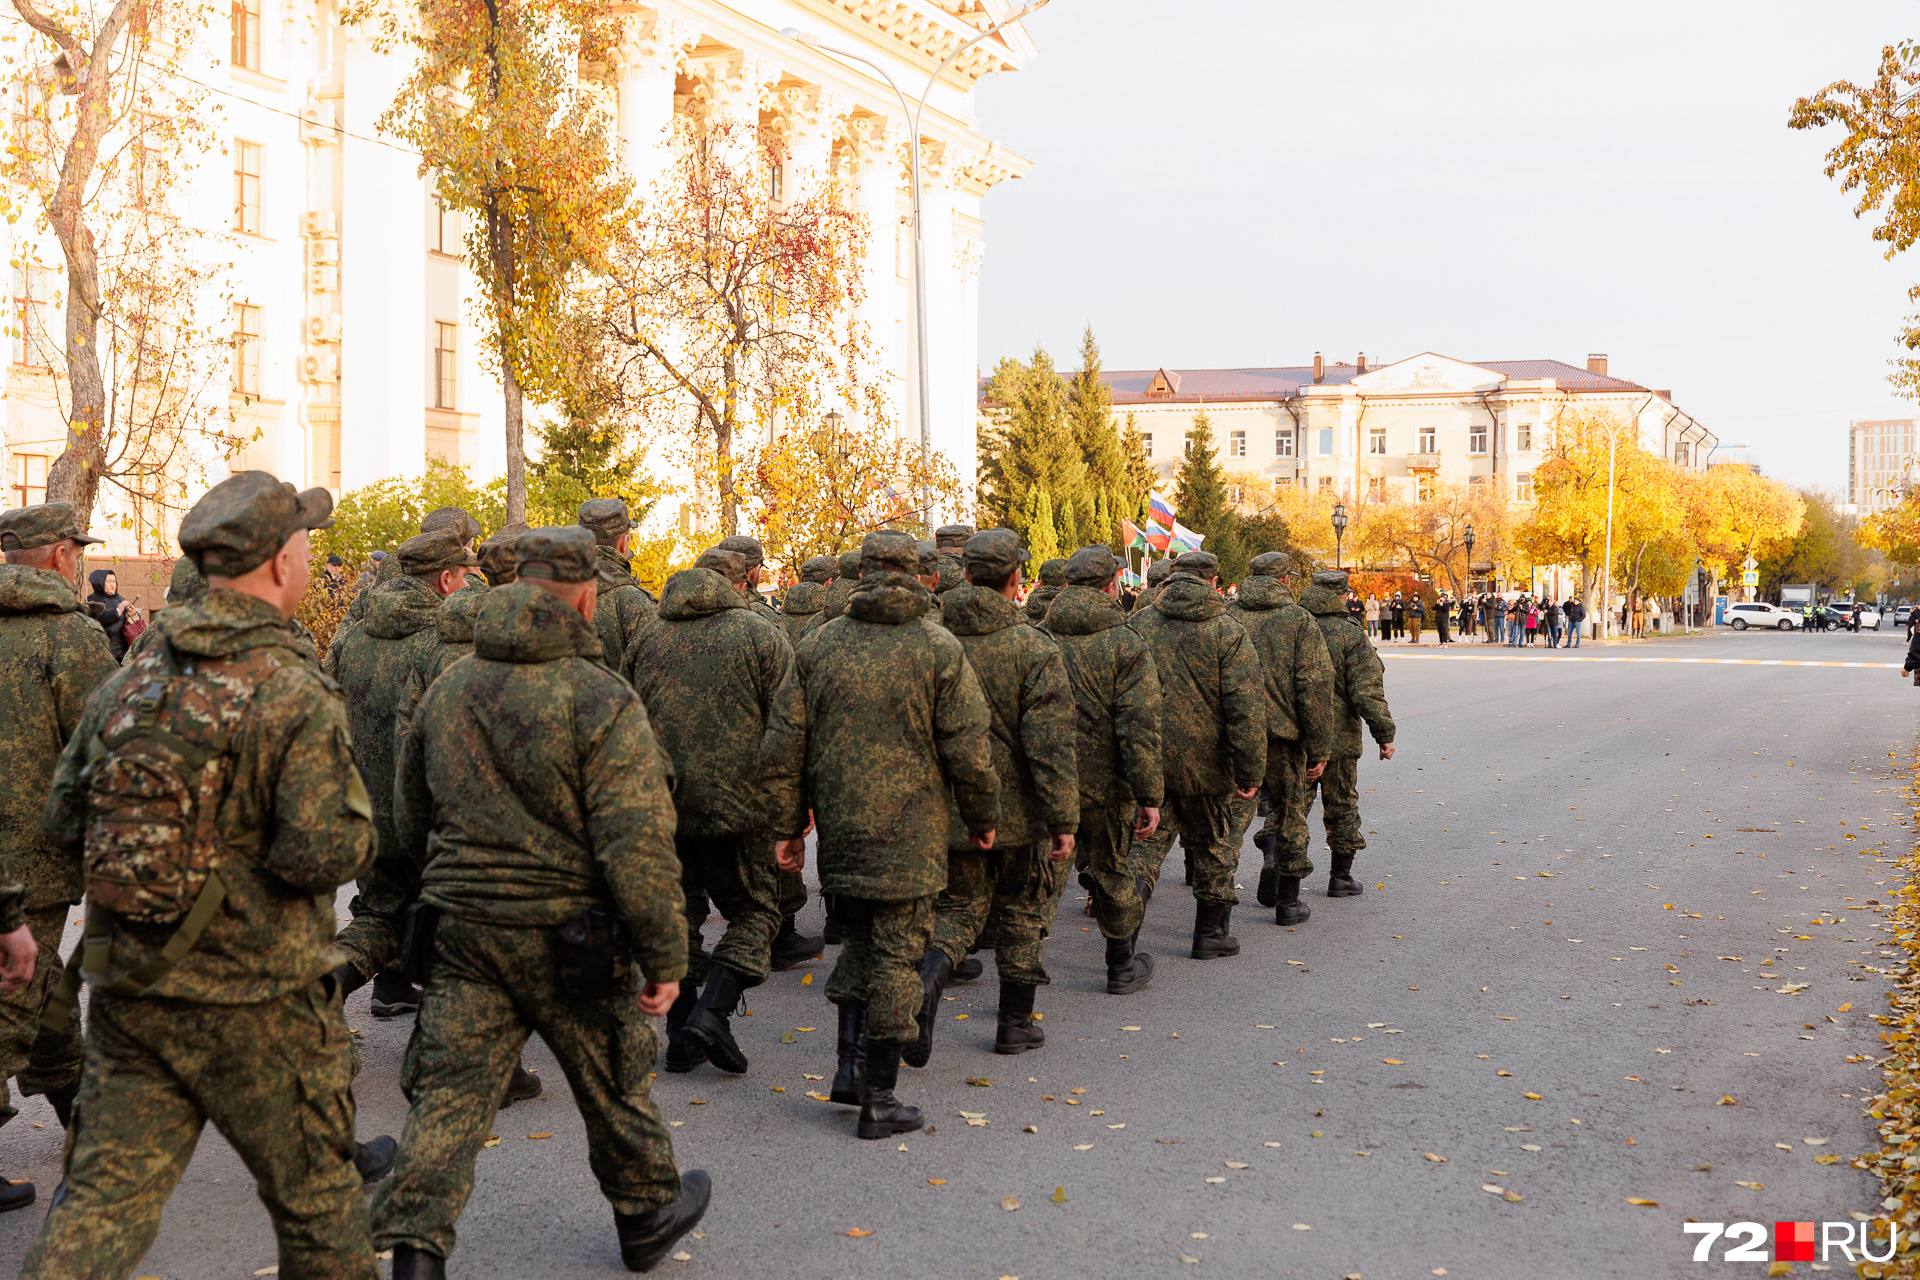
[1200,498]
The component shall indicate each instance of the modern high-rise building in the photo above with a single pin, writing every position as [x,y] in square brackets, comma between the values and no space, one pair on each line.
[1880,455]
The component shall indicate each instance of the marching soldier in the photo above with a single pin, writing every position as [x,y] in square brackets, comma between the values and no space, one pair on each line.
[624,603]
[756,557]
[841,589]
[1157,574]
[497,556]
[806,597]
[1053,580]
[950,542]
[1359,693]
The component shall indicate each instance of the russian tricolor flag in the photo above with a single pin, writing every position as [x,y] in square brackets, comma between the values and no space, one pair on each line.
[1160,507]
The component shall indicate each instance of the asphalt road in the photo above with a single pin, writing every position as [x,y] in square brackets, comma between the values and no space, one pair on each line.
[1273,1114]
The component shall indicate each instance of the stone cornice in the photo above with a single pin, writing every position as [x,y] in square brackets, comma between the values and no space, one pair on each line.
[923,33]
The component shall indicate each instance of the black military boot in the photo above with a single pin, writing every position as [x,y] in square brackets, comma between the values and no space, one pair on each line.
[852,1071]
[1287,908]
[707,1028]
[1127,970]
[62,1102]
[410,1263]
[1210,937]
[791,948]
[830,931]
[1269,872]
[881,1114]
[374,1160]
[969,970]
[15,1195]
[989,935]
[682,1054]
[1018,1032]
[393,995]
[935,972]
[646,1237]
[522,1086]
[1341,883]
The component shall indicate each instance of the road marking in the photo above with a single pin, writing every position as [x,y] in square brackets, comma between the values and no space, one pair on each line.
[1725,662]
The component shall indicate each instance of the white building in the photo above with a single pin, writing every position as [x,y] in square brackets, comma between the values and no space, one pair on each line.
[1880,457]
[356,351]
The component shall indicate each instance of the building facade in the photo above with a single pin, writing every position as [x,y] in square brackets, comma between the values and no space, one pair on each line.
[356,353]
[1880,458]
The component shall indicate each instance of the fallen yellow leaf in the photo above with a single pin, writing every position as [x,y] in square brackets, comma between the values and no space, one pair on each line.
[856,1232]
[1826,1159]
[807,981]
[1084,1146]
[936,1182]
[535,1137]
[1645,1204]
[1843,1008]
[268,1271]
[1534,1096]
[1436,1159]
[1726,1102]
[1059,1195]
[1009,1204]
[492,1141]
[1752,1186]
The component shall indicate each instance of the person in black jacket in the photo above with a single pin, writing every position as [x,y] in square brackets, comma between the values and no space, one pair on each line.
[1911,666]
[109,608]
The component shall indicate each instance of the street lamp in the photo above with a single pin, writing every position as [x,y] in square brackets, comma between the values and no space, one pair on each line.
[1700,592]
[1339,529]
[919,223]
[1469,541]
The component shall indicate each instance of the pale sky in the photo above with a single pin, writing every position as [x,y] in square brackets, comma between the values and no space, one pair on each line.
[1243,182]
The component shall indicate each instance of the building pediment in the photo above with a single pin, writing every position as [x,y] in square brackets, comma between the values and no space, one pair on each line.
[1429,374]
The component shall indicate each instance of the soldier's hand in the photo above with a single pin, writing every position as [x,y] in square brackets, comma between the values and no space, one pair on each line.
[790,855]
[1247,793]
[17,953]
[1146,822]
[1062,848]
[1315,771]
[658,997]
[1386,752]
[980,839]
[809,830]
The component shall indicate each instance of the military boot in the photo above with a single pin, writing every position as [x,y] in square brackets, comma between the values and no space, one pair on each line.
[851,1074]
[969,970]
[830,931]
[646,1237]
[936,970]
[522,1086]
[15,1195]
[1341,884]
[1269,872]
[62,1100]
[393,995]
[1017,1032]
[1127,970]
[1287,907]
[791,948]
[682,1054]
[881,1114]
[410,1263]
[707,1028]
[374,1160]
[1210,937]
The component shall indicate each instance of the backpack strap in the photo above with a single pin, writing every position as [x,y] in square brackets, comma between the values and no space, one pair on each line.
[89,959]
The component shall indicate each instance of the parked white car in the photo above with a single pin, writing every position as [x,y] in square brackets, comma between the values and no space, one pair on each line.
[1742,616]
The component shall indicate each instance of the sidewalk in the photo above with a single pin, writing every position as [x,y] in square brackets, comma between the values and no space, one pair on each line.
[1430,639]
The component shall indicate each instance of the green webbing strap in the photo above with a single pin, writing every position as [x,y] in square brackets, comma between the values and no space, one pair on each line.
[89,959]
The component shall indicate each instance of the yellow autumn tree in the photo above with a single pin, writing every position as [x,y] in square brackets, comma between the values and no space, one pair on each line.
[820,492]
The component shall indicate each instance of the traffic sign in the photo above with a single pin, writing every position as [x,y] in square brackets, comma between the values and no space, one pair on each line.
[1750,579]
[1750,564]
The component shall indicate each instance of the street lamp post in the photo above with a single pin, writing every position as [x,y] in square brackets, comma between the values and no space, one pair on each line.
[919,223]
[1339,529]
[1469,541]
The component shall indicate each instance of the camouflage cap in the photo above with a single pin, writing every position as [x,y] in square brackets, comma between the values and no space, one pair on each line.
[24,528]
[995,553]
[443,548]
[451,518]
[498,559]
[1158,572]
[849,564]
[819,569]
[1092,566]
[241,522]
[929,558]
[1053,573]
[889,549]
[725,561]
[1333,579]
[558,553]
[1204,563]
[952,537]
[606,519]
[1271,563]
[750,550]
[186,585]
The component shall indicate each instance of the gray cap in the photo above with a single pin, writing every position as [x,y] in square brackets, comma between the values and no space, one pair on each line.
[498,558]
[241,522]
[443,548]
[725,561]
[889,549]
[849,564]
[564,553]
[994,553]
[1158,572]
[1204,563]
[1270,564]
[24,528]
[1053,573]
[1334,579]
[186,585]
[606,519]
[952,537]
[819,569]
[1092,566]
[929,558]
[750,550]
[451,518]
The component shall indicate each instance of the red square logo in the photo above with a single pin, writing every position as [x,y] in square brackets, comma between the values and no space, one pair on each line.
[1793,1241]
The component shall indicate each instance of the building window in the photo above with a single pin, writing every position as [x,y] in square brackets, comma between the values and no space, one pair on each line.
[1283,443]
[1146,443]
[776,182]
[1377,441]
[1326,483]
[1429,442]
[1376,488]
[446,352]
[446,229]
[245,18]
[1326,445]
[1476,482]
[1477,440]
[246,349]
[29,336]
[1423,487]
[1680,452]
[1237,444]
[1235,495]
[1523,437]
[246,187]
[1523,487]
[30,478]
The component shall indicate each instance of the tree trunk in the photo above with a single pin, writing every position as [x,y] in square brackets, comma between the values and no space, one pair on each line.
[723,450]
[516,447]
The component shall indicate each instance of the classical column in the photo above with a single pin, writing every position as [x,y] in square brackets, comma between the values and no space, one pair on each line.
[728,88]
[644,62]
[876,195]
[808,116]
[950,387]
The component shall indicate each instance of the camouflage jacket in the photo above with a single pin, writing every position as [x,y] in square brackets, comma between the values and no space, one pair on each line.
[1116,691]
[530,786]
[1031,706]
[453,624]
[839,591]
[757,601]
[1359,677]
[803,600]
[363,600]
[624,606]
[953,572]
[1293,659]
[52,655]
[1144,600]
[294,826]
[707,667]
[1213,721]
[373,664]
[880,719]
[1037,601]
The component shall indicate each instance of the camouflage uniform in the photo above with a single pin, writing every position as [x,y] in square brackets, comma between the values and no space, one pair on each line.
[806,597]
[1299,679]
[949,541]
[1053,580]
[1359,693]
[497,557]
[531,789]
[624,604]
[1157,574]
[1150,854]
[52,655]
[840,590]
[293,826]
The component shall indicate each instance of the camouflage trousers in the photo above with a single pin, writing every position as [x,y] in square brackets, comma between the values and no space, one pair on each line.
[1289,797]
[793,893]
[1205,825]
[1020,887]
[272,1077]
[1105,840]
[879,966]
[735,874]
[40,1063]
[489,987]
[1339,789]
[379,908]
[1151,854]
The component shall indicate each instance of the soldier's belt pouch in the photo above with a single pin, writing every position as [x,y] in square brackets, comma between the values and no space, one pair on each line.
[592,953]
[416,942]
